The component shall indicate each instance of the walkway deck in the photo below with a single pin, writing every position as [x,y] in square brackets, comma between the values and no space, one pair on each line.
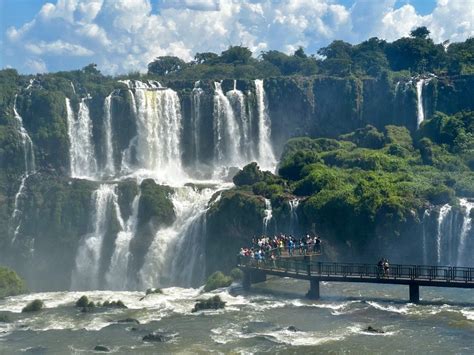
[412,275]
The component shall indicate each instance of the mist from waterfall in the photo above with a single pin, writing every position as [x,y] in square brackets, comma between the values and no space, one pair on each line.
[104,209]
[294,215]
[444,229]
[83,163]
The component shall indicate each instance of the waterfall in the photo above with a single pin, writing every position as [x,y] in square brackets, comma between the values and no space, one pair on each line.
[81,149]
[293,215]
[30,167]
[237,101]
[103,208]
[226,130]
[444,230]
[267,215]
[26,142]
[419,95]
[109,168]
[181,241]
[196,121]
[426,216]
[266,157]
[116,277]
[158,140]
[465,229]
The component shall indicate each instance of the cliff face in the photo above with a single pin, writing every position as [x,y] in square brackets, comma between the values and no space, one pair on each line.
[54,209]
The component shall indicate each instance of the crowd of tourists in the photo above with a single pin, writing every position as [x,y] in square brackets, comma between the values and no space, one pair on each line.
[269,248]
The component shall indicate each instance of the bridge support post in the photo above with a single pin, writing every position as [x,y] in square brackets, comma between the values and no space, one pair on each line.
[247,280]
[313,292]
[414,293]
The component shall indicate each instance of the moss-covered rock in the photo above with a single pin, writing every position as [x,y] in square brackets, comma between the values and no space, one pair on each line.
[210,303]
[10,283]
[33,306]
[217,280]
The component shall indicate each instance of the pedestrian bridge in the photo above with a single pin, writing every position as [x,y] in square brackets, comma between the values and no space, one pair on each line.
[305,269]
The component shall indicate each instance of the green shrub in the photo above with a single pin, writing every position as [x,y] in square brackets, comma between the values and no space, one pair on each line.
[217,280]
[211,303]
[82,302]
[236,274]
[249,175]
[10,283]
[33,306]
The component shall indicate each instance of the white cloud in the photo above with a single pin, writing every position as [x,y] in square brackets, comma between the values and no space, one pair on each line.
[36,65]
[58,48]
[124,35]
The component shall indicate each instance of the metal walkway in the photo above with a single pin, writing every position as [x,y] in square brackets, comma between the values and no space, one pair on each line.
[412,275]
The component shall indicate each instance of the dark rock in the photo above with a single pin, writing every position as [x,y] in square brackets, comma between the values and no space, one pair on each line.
[211,303]
[157,337]
[101,348]
[292,328]
[33,306]
[128,320]
[371,329]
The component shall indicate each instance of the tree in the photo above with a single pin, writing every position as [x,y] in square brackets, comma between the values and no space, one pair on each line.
[206,58]
[166,65]
[91,69]
[236,55]
[420,32]
[300,53]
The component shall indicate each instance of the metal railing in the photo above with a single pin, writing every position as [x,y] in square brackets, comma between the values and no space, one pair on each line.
[395,271]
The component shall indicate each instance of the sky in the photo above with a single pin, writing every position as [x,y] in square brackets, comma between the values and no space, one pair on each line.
[123,36]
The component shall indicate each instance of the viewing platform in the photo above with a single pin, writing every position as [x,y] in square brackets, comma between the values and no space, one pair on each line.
[304,268]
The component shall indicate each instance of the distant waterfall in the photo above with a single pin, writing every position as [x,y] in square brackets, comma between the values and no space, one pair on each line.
[226,129]
[196,122]
[426,216]
[81,150]
[181,241]
[109,168]
[444,230]
[266,157]
[26,142]
[293,215]
[267,215]
[463,256]
[30,167]
[116,277]
[104,207]
[158,141]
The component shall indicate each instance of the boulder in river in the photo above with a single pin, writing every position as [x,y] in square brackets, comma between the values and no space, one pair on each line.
[211,303]
[101,348]
[157,337]
[371,329]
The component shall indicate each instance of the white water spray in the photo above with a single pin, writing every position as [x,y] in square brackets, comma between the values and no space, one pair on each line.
[293,214]
[465,229]
[196,121]
[444,219]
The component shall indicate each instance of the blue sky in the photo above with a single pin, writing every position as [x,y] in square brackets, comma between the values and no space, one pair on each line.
[124,35]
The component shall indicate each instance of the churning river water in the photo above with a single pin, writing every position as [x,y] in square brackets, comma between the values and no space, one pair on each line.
[269,318]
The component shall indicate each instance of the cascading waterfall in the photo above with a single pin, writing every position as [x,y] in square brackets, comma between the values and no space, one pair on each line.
[158,140]
[109,168]
[419,95]
[104,207]
[293,214]
[30,167]
[266,157]
[181,240]
[237,101]
[467,206]
[267,215]
[444,229]
[116,275]
[226,130]
[196,121]
[426,216]
[81,150]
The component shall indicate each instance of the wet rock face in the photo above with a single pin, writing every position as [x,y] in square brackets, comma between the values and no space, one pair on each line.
[158,337]
[101,348]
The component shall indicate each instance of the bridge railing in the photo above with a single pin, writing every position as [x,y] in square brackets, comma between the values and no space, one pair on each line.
[395,271]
